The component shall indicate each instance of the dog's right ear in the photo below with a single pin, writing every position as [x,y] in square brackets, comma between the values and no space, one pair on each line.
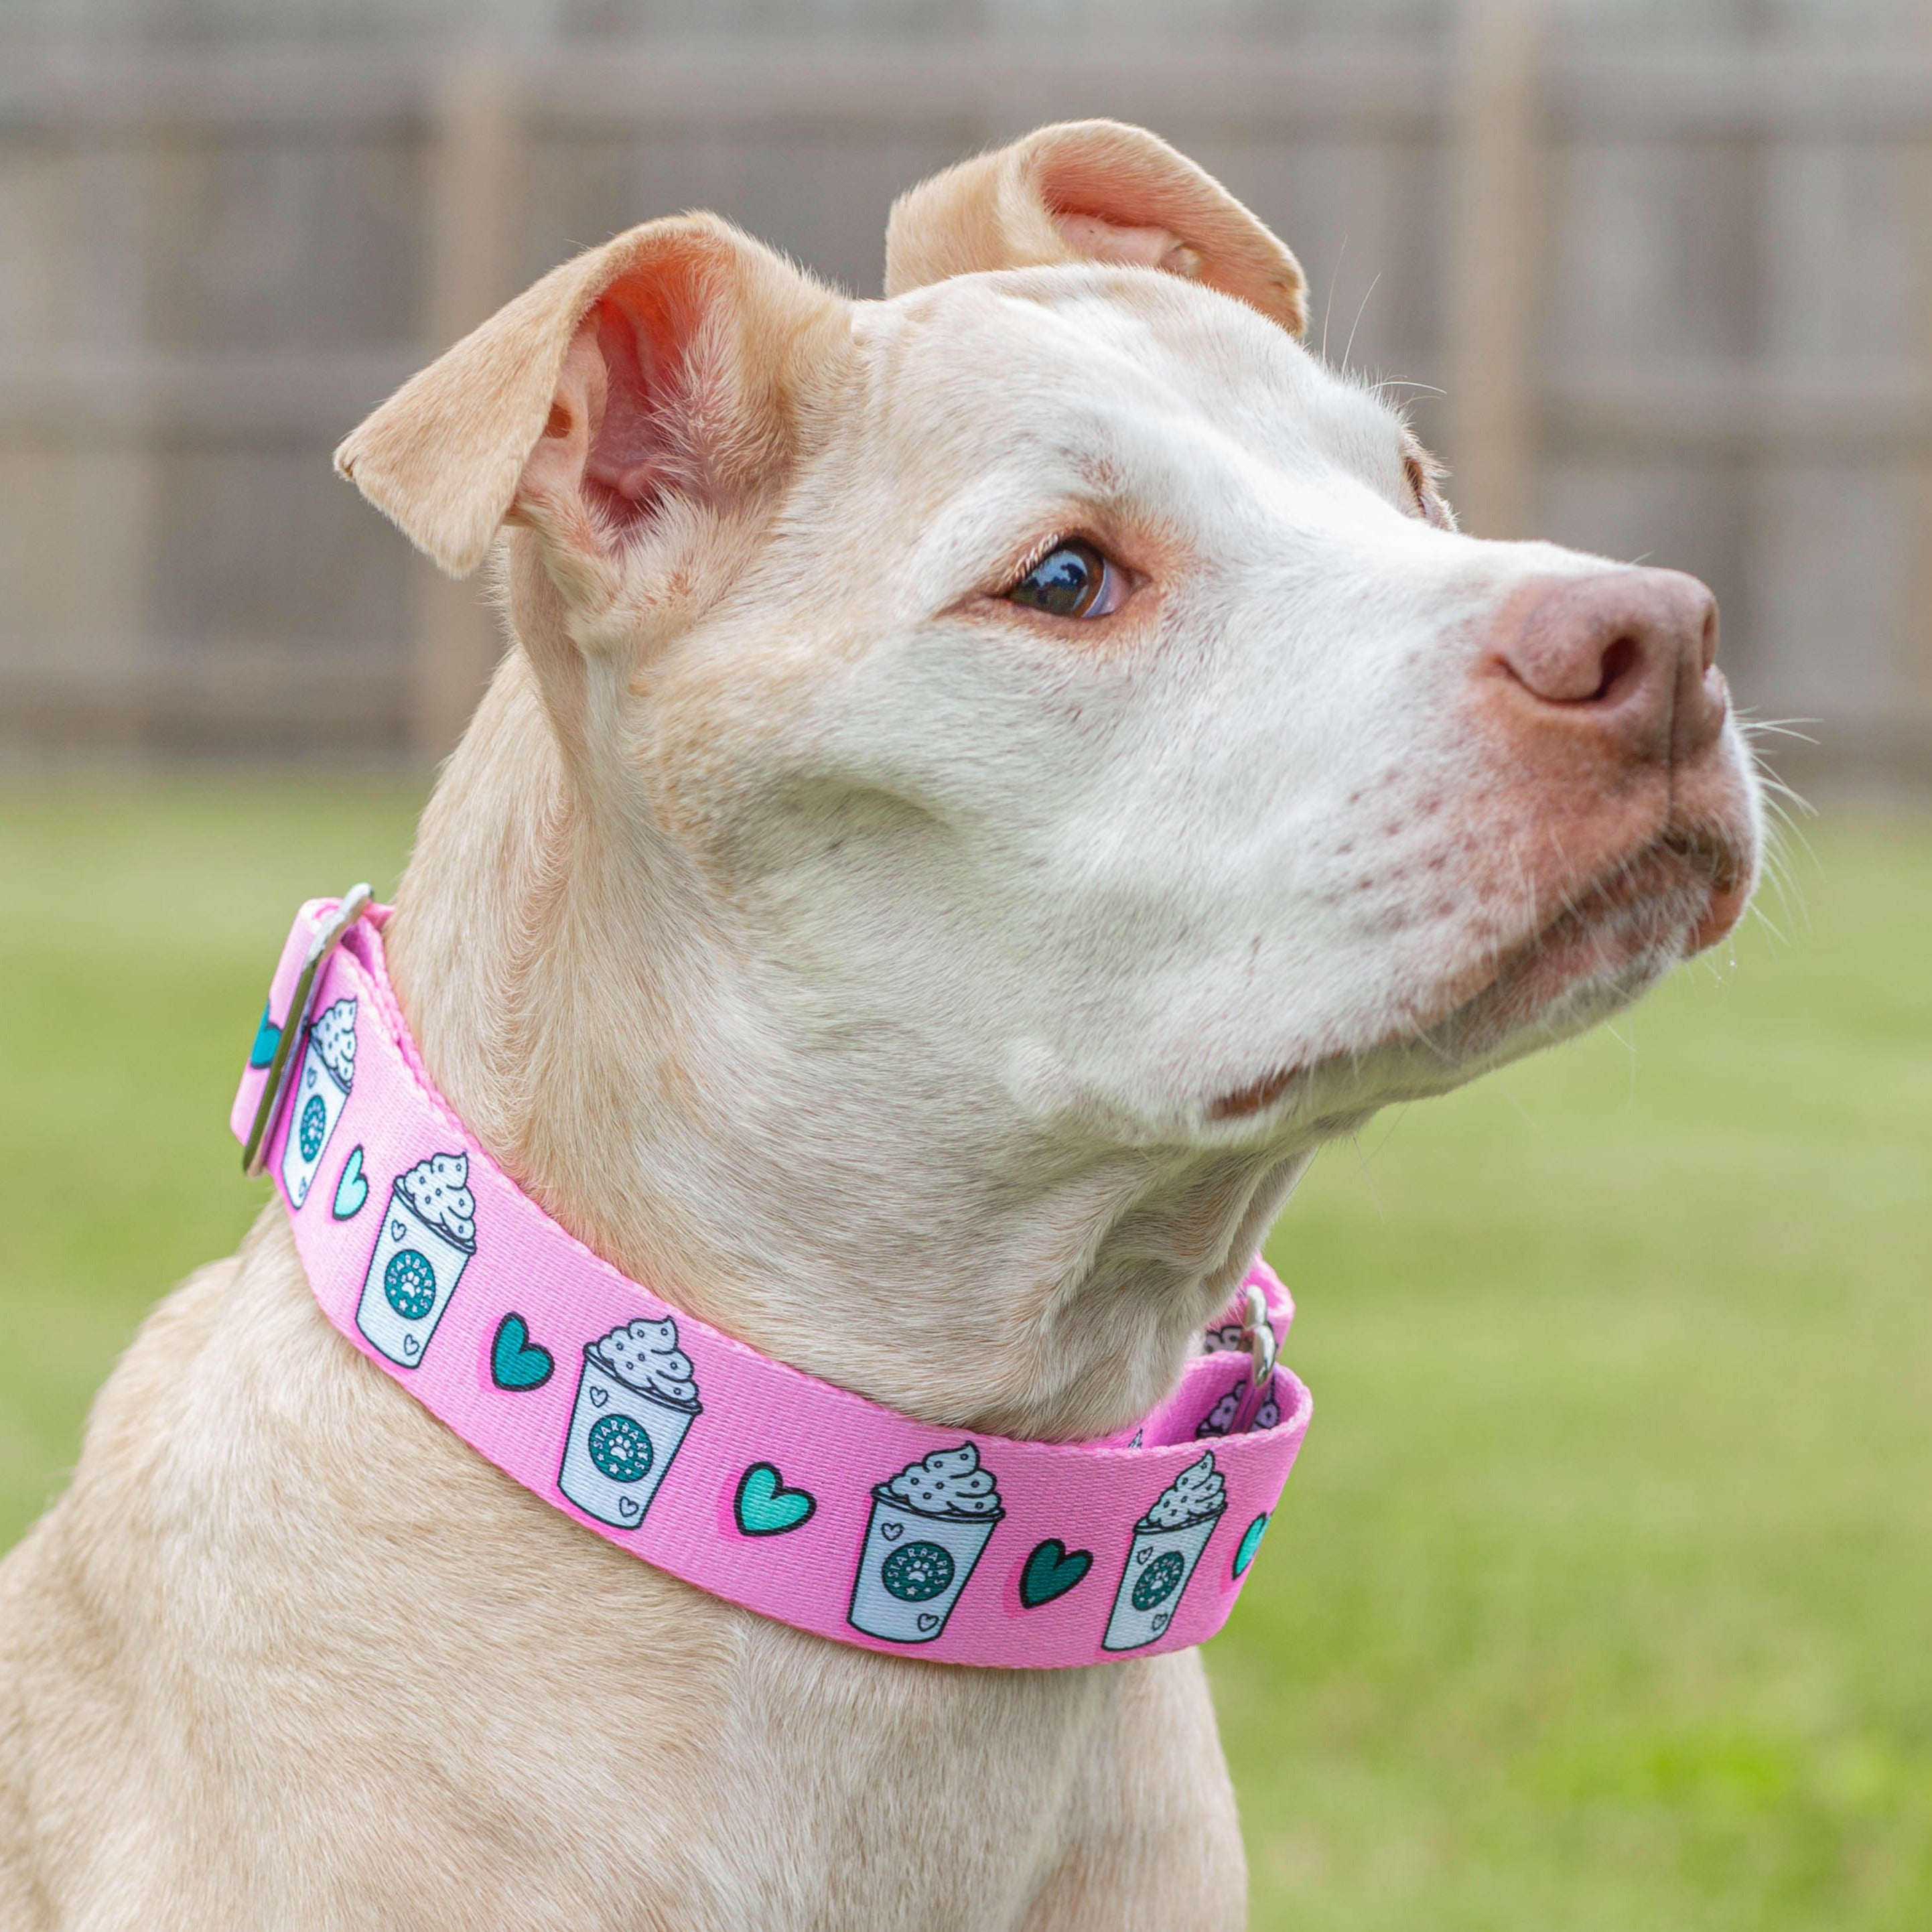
[1091,191]
[664,367]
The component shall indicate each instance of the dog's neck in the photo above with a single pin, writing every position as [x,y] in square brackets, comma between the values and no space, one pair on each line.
[588,1014]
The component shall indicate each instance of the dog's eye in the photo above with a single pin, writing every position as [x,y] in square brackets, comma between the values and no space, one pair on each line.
[1072,580]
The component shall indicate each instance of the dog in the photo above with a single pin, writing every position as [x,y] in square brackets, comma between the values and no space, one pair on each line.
[984,783]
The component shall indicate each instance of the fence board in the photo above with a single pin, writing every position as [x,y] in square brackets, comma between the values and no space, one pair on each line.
[1672,259]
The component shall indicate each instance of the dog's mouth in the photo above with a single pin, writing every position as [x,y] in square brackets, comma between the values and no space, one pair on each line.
[1674,897]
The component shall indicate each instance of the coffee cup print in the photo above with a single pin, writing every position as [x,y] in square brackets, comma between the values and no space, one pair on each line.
[428,1236]
[635,1400]
[327,1073]
[929,1526]
[1167,1545]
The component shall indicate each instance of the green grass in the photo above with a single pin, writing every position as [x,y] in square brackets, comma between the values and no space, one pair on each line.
[142,920]
[1602,1597]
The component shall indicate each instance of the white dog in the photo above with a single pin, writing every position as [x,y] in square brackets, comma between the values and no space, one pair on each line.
[986,783]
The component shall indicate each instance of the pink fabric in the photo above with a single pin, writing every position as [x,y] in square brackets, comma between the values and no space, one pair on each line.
[754,1482]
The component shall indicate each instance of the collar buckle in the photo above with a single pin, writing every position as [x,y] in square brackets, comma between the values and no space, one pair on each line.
[275,1089]
[1257,1337]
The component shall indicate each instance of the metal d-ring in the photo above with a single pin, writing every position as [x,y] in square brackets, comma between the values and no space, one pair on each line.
[1258,1333]
[274,1089]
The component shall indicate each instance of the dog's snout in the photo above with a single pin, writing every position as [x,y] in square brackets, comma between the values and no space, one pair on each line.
[1622,662]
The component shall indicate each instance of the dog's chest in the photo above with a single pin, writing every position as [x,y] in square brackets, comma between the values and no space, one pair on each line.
[465,1688]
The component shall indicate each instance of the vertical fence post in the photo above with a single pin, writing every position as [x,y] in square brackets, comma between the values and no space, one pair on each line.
[1912,666]
[1497,155]
[471,208]
[88,554]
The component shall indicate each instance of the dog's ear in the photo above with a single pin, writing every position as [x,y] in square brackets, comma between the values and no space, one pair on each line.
[663,365]
[1091,191]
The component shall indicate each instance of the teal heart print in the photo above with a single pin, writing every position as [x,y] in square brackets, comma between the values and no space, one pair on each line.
[1250,1542]
[1051,1571]
[268,1037]
[516,1363]
[351,1189]
[766,1507]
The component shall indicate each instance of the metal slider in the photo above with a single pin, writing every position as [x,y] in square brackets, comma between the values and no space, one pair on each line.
[1258,1333]
[274,1089]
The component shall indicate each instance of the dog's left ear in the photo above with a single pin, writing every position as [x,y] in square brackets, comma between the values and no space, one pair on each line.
[1091,191]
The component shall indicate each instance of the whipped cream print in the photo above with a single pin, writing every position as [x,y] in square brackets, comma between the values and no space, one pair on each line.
[1198,1492]
[1220,1418]
[323,1088]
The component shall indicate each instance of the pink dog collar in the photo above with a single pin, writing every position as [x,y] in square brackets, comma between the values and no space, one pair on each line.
[747,1478]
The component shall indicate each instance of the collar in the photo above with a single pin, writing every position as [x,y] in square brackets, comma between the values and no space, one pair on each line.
[747,1478]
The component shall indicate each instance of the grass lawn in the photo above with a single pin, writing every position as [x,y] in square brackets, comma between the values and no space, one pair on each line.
[1602,1597]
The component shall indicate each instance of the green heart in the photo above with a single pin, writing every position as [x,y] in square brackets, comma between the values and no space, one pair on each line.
[516,1362]
[352,1190]
[1051,1571]
[268,1037]
[1251,1541]
[766,1507]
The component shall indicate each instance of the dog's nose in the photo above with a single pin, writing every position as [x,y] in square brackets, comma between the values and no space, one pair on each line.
[1621,661]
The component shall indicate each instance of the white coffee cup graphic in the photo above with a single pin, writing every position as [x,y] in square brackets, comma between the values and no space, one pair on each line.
[323,1081]
[636,1400]
[428,1235]
[1167,1545]
[929,1526]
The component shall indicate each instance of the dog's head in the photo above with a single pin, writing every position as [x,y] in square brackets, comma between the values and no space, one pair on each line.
[1062,707]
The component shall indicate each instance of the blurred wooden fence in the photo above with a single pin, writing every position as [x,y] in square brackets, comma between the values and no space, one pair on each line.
[1677,296]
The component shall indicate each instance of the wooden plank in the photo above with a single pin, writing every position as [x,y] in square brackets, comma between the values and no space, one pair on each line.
[250,396]
[1852,92]
[842,90]
[244,695]
[1384,87]
[89,569]
[1684,380]
[1913,654]
[1699,406]
[1744,409]
[1379,87]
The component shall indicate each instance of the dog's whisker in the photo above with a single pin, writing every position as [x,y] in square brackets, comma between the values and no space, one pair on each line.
[1363,310]
[1765,919]
[1334,276]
